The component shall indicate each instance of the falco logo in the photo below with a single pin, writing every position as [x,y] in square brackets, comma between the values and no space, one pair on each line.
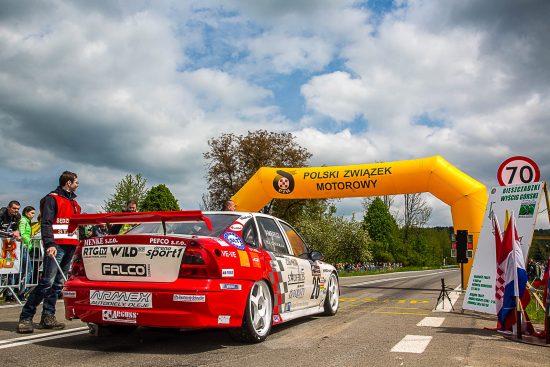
[283,182]
[137,270]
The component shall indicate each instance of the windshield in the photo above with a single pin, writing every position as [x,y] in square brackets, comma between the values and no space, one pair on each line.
[194,228]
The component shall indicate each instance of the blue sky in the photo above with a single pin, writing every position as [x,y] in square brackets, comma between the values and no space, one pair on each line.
[108,88]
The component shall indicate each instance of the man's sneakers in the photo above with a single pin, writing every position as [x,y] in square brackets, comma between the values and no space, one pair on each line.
[50,322]
[25,327]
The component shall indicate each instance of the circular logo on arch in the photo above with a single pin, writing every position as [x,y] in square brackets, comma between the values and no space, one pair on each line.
[283,182]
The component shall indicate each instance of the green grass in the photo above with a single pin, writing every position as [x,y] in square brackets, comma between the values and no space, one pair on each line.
[344,274]
[535,312]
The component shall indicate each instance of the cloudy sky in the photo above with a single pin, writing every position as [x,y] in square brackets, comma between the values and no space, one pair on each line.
[106,88]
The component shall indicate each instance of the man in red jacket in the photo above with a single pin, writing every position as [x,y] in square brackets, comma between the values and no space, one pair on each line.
[56,208]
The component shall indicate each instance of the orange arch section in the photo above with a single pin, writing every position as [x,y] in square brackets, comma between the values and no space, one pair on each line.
[466,196]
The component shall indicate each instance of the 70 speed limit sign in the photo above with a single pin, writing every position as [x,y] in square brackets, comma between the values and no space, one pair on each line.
[518,170]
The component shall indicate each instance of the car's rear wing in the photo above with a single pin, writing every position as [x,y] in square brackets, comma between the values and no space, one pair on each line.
[139,217]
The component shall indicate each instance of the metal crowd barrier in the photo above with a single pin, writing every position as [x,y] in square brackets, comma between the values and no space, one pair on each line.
[30,263]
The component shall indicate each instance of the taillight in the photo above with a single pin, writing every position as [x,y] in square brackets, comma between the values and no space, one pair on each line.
[77,268]
[197,263]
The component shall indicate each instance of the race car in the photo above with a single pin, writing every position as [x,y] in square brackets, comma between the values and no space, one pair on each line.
[189,269]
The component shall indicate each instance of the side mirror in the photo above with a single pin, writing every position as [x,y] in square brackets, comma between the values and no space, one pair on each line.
[315,255]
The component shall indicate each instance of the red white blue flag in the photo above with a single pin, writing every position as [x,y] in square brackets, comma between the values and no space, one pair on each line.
[512,264]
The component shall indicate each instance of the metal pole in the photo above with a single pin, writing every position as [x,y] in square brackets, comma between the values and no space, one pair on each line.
[462,275]
[59,268]
[518,318]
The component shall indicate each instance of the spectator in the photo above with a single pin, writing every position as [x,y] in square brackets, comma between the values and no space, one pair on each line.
[100,230]
[9,219]
[56,208]
[26,249]
[131,206]
[229,206]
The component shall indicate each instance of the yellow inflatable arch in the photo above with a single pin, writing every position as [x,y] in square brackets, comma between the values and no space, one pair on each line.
[466,196]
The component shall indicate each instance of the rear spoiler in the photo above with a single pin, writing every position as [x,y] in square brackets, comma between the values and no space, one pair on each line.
[139,217]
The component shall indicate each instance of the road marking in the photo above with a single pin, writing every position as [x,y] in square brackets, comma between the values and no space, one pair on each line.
[401,313]
[15,342]
[390,279]
[431,321]
[412,344]
[444,305]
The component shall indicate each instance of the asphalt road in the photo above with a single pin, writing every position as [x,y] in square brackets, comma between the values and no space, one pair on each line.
[377,324]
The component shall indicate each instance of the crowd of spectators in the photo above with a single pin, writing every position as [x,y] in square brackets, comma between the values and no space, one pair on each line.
[366,266]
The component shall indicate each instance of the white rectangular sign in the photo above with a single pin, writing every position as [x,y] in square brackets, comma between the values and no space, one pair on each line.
[10,256]
[524,201]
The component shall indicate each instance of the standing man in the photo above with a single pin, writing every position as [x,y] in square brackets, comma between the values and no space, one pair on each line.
[9,219]
[56,208]
[131,206]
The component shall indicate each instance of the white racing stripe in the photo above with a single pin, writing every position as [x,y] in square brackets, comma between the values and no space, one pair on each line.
[444,305]
[16,342]
[396,278]
[431,321]
[412,344]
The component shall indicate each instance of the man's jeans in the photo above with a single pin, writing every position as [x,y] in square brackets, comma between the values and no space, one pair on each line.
[50,283]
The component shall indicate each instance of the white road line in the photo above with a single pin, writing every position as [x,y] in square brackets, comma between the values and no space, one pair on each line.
[42,339]
[431,321]
[390,279]
[444,305]
[412,344]
[42,335]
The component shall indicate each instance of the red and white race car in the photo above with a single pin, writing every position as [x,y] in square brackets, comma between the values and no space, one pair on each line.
[188,269]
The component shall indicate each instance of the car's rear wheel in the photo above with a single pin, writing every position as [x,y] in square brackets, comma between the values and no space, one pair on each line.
[256,323]
[332,298]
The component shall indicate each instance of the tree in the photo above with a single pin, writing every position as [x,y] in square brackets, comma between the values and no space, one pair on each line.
[233,159]
[129,187]
[416,213]
[159,198]
[382,230]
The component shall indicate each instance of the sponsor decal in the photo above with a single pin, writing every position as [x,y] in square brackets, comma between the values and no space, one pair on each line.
[327,270]
[227,273]
[222,243]
[237,227]
[223,319]
[231,286]
[234,239]
[291,261]
[94,251]
[287,307]
[283,182]
[189,298]
[121,299]
[243,258]
[315,270]
[125,317]
[255,260]
[100,241]
[134,270]
[297,293]
[166,252]
[296,278]
[275,265]
[276,318]
[69,294]
[124,251]
[226,253]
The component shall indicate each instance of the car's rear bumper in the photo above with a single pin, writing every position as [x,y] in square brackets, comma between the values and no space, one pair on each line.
[176,305]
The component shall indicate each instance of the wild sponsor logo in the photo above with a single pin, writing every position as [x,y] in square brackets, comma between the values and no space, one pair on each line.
[283,182]
[125,317]
[121,299]
[124,270]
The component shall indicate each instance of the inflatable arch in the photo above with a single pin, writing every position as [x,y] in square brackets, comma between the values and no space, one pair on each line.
[466,196]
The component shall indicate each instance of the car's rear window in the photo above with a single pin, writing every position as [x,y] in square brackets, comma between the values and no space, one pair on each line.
[220,222]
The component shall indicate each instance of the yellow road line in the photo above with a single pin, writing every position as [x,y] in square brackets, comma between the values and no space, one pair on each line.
[401,313]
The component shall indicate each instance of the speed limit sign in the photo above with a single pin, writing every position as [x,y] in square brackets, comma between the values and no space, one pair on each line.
[518,170]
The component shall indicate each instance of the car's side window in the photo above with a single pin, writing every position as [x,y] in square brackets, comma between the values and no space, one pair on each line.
[250,235]
[272,238]
[298,245]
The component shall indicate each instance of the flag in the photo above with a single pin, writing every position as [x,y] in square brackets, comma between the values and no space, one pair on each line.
[499,283]
[512,263]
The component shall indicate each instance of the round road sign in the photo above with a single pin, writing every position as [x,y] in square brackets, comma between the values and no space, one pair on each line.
[518,170]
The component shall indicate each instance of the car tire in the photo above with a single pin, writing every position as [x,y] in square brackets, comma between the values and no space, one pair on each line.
[258,314]
[332,297]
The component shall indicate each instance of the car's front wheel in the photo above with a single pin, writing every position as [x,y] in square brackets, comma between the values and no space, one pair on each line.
[332,298]
[256,323]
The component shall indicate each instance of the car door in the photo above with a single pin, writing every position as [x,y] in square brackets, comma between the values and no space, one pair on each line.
[295,274]
[315,282]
